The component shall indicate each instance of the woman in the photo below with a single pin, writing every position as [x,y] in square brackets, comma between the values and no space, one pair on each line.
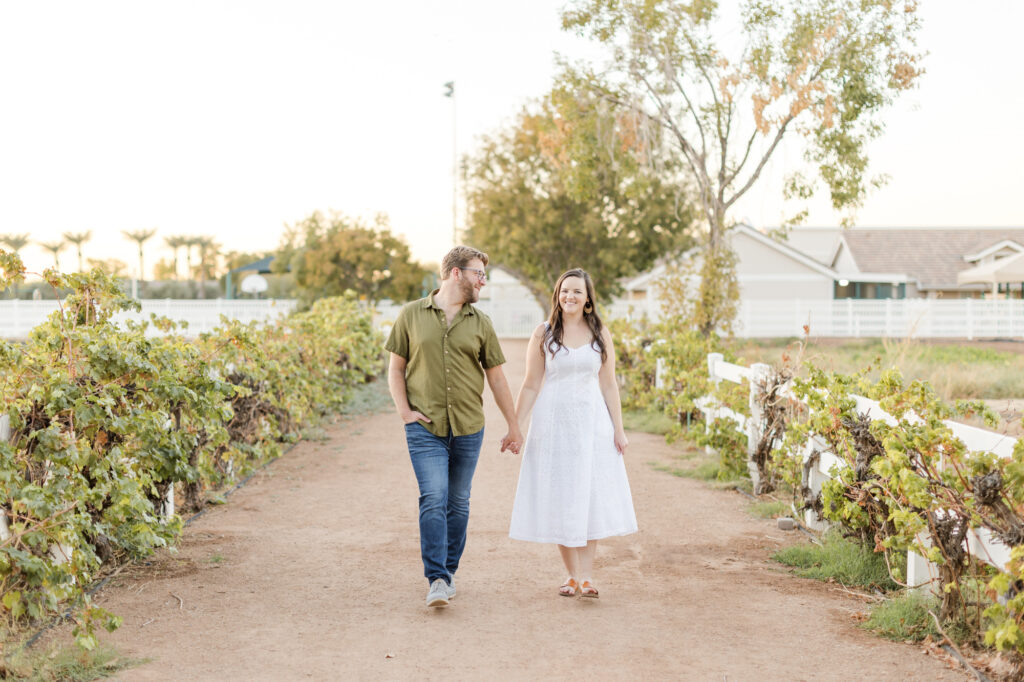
[572,488]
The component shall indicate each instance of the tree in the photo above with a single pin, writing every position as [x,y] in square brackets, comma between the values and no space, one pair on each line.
[819,72]
[16,241]
[112,266]
[139,237]
[330,254]
[55,248]
[175,243]
[208,251]
[78,238]
[560,188]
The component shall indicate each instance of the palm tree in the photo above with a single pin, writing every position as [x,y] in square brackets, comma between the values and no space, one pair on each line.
[139,236]
[188,243]
[55,248]
[175,243]
[208,251]
[79,238]
[16,241]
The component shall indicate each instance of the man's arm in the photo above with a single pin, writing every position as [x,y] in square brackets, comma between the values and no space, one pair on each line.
[396,384]
[503,396]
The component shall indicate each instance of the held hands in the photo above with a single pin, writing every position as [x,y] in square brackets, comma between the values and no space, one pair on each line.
[513,440]
[621,442]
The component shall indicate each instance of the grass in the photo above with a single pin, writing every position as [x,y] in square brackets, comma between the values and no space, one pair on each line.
[216,558]
[955,370]
[904,617]
[66,663]
[648,422]
[770,509]
[368,398]
[846,561]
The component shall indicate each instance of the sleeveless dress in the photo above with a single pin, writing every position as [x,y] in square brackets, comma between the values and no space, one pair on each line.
[572,482]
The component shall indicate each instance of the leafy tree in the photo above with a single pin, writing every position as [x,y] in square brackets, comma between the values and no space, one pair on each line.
[78,238]
[329,254]
[819,72]
[112,266]
[562,188]
[164,269]
[55,248]
[139,237]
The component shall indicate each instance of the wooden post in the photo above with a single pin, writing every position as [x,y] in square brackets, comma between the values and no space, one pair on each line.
[5,435]
[755,424]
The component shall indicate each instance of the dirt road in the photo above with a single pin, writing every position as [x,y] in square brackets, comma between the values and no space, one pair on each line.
[312,571]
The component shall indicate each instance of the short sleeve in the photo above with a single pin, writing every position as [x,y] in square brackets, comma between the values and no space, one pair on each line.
[398,339]
[490,350]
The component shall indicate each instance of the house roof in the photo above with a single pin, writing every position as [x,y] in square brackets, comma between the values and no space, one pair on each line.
[933,257]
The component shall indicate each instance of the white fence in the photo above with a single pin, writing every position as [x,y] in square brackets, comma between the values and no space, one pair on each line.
[18,318]
[920,572]
[894,318]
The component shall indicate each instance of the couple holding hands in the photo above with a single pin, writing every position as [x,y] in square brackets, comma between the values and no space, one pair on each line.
[572,487]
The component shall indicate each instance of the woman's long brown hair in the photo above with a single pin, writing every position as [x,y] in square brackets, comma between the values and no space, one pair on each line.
[553,334]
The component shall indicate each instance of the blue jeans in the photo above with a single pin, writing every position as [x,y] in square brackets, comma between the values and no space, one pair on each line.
[444,470]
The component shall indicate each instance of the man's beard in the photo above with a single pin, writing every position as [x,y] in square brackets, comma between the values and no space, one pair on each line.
[470,294]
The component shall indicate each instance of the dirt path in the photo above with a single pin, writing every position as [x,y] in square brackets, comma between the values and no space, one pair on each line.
[312,571]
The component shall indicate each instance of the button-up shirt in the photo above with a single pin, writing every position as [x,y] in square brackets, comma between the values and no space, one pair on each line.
[444,372]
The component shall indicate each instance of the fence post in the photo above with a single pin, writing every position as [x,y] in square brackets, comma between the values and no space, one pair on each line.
[970,319]
[758,373]
[921,573]
[713,359]
[5,434]
[168,506]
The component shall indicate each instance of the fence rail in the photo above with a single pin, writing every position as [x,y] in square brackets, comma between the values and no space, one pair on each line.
[980,542]
[894,318]
[18,318]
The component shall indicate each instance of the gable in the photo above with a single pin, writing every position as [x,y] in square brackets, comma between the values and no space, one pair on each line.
[758,257]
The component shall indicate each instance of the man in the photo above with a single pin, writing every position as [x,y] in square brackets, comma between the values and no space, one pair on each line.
[441,348]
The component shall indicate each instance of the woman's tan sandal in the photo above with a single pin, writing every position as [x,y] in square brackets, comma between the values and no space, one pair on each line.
[568,588]
[588,590]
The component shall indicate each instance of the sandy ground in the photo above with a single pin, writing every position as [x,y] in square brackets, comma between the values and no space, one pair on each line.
[312,571]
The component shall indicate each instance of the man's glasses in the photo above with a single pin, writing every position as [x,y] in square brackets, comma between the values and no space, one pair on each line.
[480,274]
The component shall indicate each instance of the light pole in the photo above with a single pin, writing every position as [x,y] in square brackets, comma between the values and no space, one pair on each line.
[450,93]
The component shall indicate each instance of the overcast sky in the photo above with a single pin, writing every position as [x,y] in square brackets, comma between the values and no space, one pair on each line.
[232,119]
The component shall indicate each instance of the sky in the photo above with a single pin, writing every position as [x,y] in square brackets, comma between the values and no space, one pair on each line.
[234,119]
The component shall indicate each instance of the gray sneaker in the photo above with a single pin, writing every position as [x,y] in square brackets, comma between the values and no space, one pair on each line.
[451,587]
[438,593]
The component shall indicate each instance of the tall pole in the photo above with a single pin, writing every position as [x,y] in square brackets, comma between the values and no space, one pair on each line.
[450,92]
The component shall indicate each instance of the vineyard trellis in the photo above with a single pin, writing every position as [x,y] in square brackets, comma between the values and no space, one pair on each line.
[103,421]
[898,471]
[819,464]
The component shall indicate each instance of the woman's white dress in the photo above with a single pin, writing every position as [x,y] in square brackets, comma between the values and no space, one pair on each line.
[572,483]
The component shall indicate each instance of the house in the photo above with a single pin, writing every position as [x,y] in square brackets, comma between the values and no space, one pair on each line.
[816,264]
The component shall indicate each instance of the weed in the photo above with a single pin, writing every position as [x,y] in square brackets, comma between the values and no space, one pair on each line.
[65,663]
[216,558]
[846,561]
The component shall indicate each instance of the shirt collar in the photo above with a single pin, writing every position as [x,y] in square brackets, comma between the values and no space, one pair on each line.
[428,302]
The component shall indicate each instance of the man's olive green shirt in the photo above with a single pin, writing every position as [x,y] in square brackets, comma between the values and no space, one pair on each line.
[444,371]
